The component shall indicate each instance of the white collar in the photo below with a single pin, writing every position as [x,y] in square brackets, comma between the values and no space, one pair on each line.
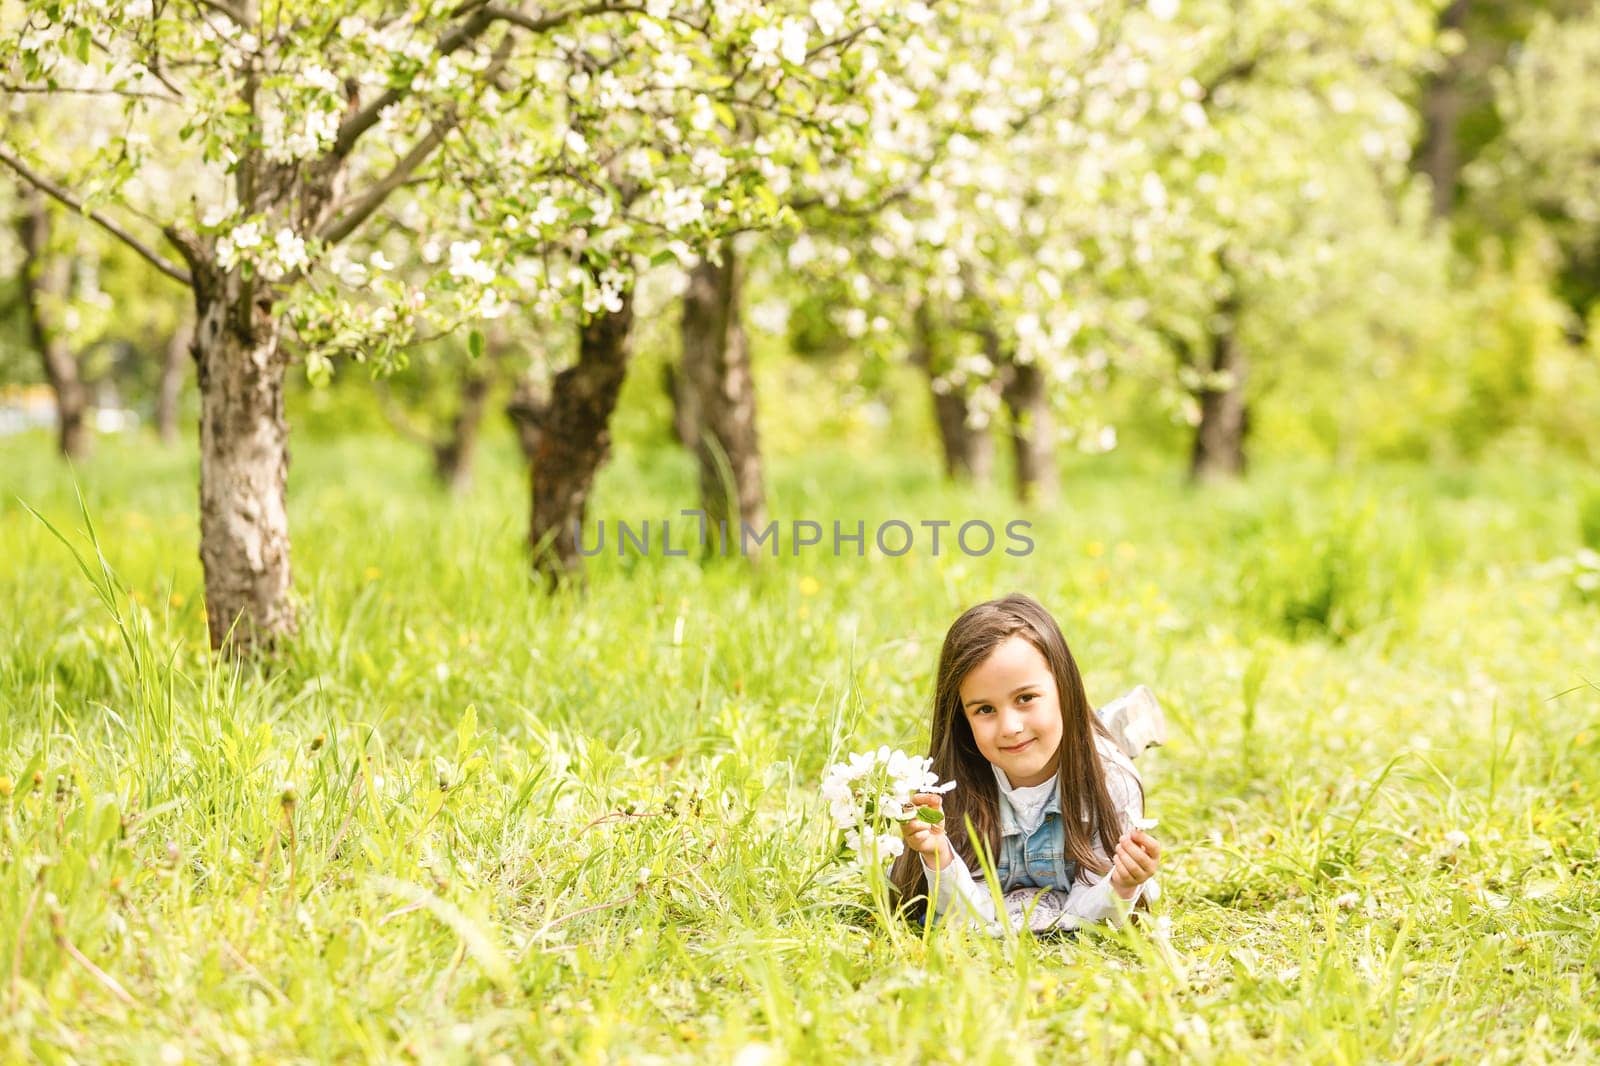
[1025,807]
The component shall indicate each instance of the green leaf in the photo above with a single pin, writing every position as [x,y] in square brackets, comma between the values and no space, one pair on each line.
[475,344]
[931,815]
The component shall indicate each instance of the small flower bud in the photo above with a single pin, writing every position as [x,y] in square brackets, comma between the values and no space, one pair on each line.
[287,796]
[318,740]
[173,854]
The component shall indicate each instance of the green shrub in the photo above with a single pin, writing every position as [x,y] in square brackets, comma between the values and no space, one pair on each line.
[1312,570]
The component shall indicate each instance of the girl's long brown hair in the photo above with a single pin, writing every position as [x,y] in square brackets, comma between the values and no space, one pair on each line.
[972,639]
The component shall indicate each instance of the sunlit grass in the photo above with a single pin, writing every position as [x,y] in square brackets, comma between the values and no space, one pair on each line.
[460,819]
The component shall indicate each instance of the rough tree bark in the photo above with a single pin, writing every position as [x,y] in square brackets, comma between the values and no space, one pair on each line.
[46,287]
[968,452]
[1032,428]
[567,436]
[716,369]
[244,465]
[1224,416]
[170,387]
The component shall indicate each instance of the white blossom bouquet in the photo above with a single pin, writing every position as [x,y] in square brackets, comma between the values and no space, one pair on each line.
[871,791]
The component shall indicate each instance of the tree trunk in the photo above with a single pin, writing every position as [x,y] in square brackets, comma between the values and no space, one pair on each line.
[968,452]
[171,386]
[526,407]
[1441,113]
[1224,417]
[452,457]
[568,436]
[716,366]
[685,419]
[1032,433]
[244,465]
[46,288]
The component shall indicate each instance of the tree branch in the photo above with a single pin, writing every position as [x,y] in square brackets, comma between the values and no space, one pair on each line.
[351,129]
[545,23]
[483,15]
[89,90]
[45,185]
[339,228]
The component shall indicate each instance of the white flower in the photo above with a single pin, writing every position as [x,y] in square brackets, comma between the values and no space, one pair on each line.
[794,41]
[379,261]
[547,213]
[576,144]
[490,306]
[347,270]
[766,41]
[319,77]
[1165,10]
[1457,839]
[465,264]
[1153,192]
[828,17]
[869,792]
[1347,901]
[711,165]
[291,250]
[246,235]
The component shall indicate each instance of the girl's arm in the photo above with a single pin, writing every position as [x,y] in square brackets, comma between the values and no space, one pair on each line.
[952,892]
[1097,902]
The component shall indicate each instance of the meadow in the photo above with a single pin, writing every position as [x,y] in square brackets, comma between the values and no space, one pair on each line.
[461,820]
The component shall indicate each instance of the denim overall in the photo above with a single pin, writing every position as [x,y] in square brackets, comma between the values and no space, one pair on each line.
[1035,860]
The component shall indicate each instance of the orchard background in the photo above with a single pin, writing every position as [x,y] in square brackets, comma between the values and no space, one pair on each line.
[1277,325]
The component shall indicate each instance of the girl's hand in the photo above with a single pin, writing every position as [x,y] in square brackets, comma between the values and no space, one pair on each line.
[1137,858]
[924,837]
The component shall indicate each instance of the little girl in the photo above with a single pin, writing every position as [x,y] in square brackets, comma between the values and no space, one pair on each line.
[1048,790]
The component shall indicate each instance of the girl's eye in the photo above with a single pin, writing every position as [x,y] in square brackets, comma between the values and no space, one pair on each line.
[1028,696]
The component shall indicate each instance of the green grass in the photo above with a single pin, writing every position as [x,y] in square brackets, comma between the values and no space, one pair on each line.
[460,819]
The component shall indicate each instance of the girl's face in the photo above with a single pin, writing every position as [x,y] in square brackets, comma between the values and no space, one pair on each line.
[1012,706]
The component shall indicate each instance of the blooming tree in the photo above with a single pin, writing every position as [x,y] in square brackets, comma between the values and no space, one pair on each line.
[541,151]
[997,265]
[1294,165]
